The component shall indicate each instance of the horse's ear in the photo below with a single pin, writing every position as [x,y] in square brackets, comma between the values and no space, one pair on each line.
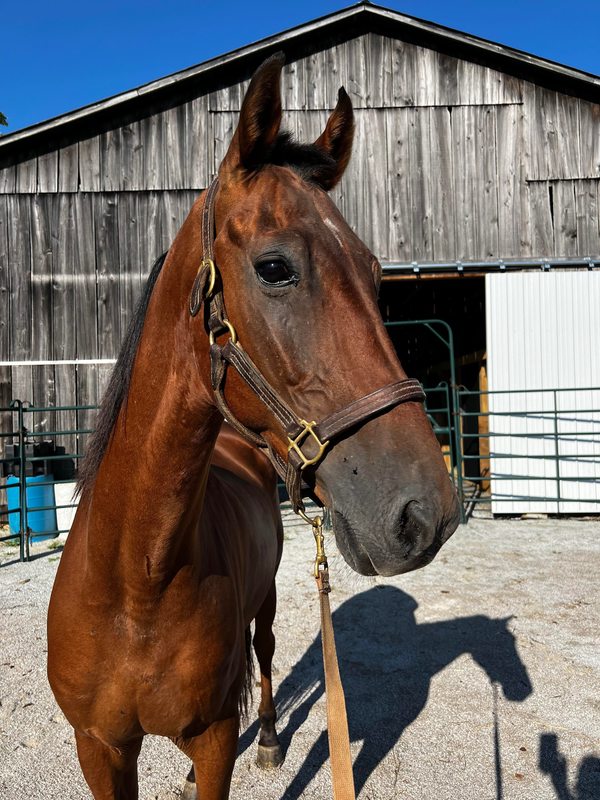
[336,140]
[259,121]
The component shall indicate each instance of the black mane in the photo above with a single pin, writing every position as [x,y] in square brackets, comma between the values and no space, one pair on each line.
[116,393]
[307,160]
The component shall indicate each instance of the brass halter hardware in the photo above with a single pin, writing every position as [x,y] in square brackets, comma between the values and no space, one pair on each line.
[208,262]
[320,568]
[296,441]
[230,328]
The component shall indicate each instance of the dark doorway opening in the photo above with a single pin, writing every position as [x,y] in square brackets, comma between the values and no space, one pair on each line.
[459,301]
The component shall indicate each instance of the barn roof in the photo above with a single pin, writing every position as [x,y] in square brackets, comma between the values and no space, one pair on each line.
[355,20]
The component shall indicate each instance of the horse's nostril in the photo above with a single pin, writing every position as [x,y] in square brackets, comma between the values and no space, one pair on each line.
[416,527]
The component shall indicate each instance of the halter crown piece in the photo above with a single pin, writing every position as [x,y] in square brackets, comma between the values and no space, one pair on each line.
[320,436]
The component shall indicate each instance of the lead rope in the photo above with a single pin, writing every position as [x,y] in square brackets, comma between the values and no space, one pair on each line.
[342,778]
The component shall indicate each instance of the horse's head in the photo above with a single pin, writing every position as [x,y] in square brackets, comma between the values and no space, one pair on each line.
[494,648]
[301,290]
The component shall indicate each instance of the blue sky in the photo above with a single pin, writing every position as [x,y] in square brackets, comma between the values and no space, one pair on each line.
[58,56]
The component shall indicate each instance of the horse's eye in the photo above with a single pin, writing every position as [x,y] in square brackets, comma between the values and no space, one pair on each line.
[275,272]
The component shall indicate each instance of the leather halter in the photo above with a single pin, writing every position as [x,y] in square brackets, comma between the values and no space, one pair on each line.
[300,432]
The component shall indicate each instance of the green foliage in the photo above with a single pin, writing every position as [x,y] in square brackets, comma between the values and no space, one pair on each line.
[3,120]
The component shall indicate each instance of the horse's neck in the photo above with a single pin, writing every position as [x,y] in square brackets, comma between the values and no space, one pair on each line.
[146,502]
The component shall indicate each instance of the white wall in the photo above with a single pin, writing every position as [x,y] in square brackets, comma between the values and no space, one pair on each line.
[543,332]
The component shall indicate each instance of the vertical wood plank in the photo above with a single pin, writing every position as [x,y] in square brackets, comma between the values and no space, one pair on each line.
[89,164]
[86,300]
[5,293]
[154,148]
[565,155]
[198,173]
[132,157]
[508,139]
[8,179]
[541,218]
[403,66]
[43,222]
[463,146]
[19,248]
[586,205]
[65,268]
[22,386]
[175,147]
[65,391]
[292,86]
[419,153]
[565,219]
[107,261]
[442,181]
[111,145]
[48,172]
[44,396]
[398,185]
[26,176]
[86,391]
[486,182]
[589,137]
[129,252]
[68,168]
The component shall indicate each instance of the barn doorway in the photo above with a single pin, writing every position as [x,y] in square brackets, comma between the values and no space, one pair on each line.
[427,350]
[458,301]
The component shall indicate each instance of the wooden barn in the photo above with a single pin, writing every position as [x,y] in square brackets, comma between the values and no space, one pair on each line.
[473,162]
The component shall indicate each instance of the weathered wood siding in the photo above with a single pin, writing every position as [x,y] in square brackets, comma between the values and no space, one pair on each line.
[452,160]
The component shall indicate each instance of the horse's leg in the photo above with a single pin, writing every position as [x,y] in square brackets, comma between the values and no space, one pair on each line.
[269,749]
[213,754]
[110,773]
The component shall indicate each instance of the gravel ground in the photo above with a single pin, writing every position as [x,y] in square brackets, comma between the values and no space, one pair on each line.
[474,678]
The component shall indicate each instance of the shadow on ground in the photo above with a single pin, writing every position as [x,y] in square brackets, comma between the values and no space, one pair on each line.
[552,762]
[387,661]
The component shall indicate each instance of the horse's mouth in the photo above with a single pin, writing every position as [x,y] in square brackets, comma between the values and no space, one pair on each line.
[380,562]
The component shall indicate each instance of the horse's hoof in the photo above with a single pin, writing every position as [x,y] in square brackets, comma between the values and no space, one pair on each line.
[189,791]
[269,757]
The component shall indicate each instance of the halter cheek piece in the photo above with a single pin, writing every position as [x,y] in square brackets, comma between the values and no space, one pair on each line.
[318,436]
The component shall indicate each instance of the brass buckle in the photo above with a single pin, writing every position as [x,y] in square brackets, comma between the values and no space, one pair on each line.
[208,262]
[294,444]
[230,328]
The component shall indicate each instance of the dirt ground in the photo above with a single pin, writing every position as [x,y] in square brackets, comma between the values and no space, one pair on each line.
[475,678]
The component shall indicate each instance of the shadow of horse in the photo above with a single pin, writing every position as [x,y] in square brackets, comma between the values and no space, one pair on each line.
[387,661]
[553,763]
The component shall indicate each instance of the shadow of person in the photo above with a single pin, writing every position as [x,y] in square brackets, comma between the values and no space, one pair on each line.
[554,763]
[387,661]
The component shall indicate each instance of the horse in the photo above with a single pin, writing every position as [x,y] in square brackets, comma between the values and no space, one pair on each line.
[263,312]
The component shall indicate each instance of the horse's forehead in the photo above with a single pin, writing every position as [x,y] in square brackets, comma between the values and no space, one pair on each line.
[278,198]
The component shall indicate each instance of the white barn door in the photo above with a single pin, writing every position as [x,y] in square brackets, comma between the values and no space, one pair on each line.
[543,333]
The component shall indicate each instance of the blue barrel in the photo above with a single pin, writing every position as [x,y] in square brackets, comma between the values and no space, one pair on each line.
[41,523]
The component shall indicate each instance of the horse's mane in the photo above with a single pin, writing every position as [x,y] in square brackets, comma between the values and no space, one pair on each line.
[118,386]
[307,160]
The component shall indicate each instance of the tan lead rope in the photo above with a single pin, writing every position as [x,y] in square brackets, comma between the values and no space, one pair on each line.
[337,720]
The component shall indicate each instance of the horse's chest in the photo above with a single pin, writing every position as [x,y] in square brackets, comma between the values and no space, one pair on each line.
[191,661]
[170,669]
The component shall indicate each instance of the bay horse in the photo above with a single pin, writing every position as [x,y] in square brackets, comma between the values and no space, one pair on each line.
[175,545]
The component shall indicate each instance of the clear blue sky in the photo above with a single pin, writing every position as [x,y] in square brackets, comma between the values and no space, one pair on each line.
[60,55]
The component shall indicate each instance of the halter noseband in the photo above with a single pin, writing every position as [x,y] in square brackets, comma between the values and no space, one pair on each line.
[207,288]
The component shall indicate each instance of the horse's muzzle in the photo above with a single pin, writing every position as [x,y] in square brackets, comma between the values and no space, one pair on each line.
[407,541]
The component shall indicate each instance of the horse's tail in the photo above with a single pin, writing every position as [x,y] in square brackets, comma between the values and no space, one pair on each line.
[246,695]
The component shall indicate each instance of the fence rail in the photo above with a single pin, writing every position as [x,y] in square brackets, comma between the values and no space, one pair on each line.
[531,451]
